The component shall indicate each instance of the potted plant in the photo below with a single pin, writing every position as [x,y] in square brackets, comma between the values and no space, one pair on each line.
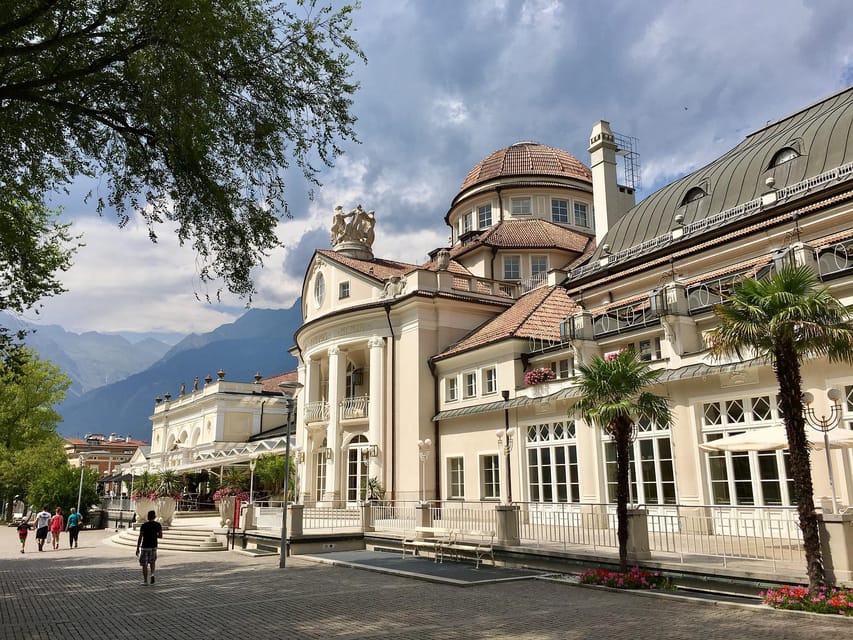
[144,495]
[375,490]
[538,376]
[232,486]
[169,487]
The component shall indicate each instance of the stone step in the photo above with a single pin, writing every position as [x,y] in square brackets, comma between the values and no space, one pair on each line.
[175,540]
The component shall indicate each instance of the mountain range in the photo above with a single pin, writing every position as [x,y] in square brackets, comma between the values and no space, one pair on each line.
[115,380]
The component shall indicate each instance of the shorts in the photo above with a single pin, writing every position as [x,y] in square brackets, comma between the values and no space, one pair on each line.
[41,533]
[22,535]
[147,556]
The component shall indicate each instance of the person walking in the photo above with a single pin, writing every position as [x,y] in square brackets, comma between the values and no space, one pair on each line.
[42,526]
[72,526]
[23,531]
[56,525]
[146,545]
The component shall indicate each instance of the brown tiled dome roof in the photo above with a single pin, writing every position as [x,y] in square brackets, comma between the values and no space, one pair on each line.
[527,159]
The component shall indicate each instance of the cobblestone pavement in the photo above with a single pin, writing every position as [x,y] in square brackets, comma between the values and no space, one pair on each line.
[96,592]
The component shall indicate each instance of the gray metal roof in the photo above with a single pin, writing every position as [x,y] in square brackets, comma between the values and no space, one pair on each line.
[822,134]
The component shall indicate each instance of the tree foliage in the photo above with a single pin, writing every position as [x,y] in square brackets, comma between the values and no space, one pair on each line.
[782,319]
[29,389]
[59,487]
[187,112]
[613,396]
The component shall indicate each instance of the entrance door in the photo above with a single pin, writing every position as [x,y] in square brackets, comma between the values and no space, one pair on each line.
[357,469]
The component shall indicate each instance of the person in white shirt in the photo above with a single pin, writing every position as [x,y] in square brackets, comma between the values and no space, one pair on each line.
[42,523]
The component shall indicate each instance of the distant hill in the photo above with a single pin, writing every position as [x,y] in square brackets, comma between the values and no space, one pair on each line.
[90,359]
[257,342]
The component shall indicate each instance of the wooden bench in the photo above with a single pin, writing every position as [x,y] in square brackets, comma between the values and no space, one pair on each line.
[476,544]
[428,539]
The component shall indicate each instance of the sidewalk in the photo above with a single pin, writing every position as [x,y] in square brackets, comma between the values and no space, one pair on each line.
[95,592]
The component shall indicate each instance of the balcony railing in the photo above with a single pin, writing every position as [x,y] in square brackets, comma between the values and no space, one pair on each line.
[835,259]
[624,318]
[317,411]
[355,407]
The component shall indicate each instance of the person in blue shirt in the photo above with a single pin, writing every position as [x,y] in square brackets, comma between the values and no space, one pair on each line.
[72,526]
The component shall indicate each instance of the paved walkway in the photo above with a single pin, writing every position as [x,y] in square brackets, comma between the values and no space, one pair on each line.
[96,592]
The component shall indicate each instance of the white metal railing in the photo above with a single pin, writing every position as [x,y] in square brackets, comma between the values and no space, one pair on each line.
[398,517]
[565,524]
[751,533]
[355,407]
[317,411]
[116,504]
[465,516]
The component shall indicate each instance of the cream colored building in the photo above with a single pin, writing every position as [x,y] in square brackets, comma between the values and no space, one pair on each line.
[551,263]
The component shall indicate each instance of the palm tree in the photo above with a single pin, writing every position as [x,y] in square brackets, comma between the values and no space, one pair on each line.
[782,318]
[613,397]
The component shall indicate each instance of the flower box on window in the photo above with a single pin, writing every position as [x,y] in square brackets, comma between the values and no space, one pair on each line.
[538,376]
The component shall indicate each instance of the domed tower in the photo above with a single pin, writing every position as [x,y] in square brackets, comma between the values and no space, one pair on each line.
[522,211]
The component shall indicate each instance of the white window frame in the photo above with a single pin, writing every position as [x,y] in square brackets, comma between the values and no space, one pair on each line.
[545,444]
[521,206]
[469,384]
[482,210]
[533,270]
[456,478]
[490,380]
[575,214]
[646,432]
[319,289]
[343,290]
[490,476]
[466,223]
[562,211]
[451,389]
[507,261]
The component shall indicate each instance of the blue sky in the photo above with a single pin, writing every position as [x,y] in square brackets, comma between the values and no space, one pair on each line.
[448,82]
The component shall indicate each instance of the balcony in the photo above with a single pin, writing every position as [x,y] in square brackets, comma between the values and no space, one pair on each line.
[354,408]
[317,411]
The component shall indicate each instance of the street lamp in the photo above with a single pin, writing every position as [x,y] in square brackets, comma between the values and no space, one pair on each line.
[292,387]
[83,455]
[252,464]
[423,453]
[825,424]
[505,437]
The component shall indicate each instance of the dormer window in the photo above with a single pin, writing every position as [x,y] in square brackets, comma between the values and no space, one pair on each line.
[694,194]
[782,156]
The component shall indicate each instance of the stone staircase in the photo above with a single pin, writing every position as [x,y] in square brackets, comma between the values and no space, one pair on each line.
[175,539]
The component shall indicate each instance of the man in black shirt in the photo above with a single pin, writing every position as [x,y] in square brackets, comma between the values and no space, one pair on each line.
[149,533]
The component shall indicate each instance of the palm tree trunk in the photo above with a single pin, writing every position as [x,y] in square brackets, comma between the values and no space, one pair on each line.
[791,405]
[622,440]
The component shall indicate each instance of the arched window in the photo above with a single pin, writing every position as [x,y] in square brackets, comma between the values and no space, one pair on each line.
[694,194]
[782,156]
[319,289]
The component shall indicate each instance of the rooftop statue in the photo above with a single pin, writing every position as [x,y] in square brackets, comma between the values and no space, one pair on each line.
[356,226]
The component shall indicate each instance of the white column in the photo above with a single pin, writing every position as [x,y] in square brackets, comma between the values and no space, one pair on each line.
[336,379]
[375,404]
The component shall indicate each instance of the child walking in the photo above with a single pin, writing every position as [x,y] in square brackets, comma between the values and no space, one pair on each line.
[23,530]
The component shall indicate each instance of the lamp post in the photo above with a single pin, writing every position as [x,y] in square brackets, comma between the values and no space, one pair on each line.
[505,438]
[83,455]
[423,454]
[293,388]
[252,464]
[825,424]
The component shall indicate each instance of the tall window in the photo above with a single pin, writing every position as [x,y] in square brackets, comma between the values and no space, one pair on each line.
[319,289]
[560,211]
[652,470]
[357,469]
[470,389]
[745,478]
[552,462]
[538,266]
[320,471]
[484,216]
[490,477]
[451,390]
[490,380]
[512,267]
[456,477]
[581,215]
[466,223]
[520,206]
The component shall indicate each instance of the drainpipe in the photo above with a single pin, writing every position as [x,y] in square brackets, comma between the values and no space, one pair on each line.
[436,441]
[500,203]
[392,412]
[492,263]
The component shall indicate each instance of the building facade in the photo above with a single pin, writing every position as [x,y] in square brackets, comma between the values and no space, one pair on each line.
[410,370]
